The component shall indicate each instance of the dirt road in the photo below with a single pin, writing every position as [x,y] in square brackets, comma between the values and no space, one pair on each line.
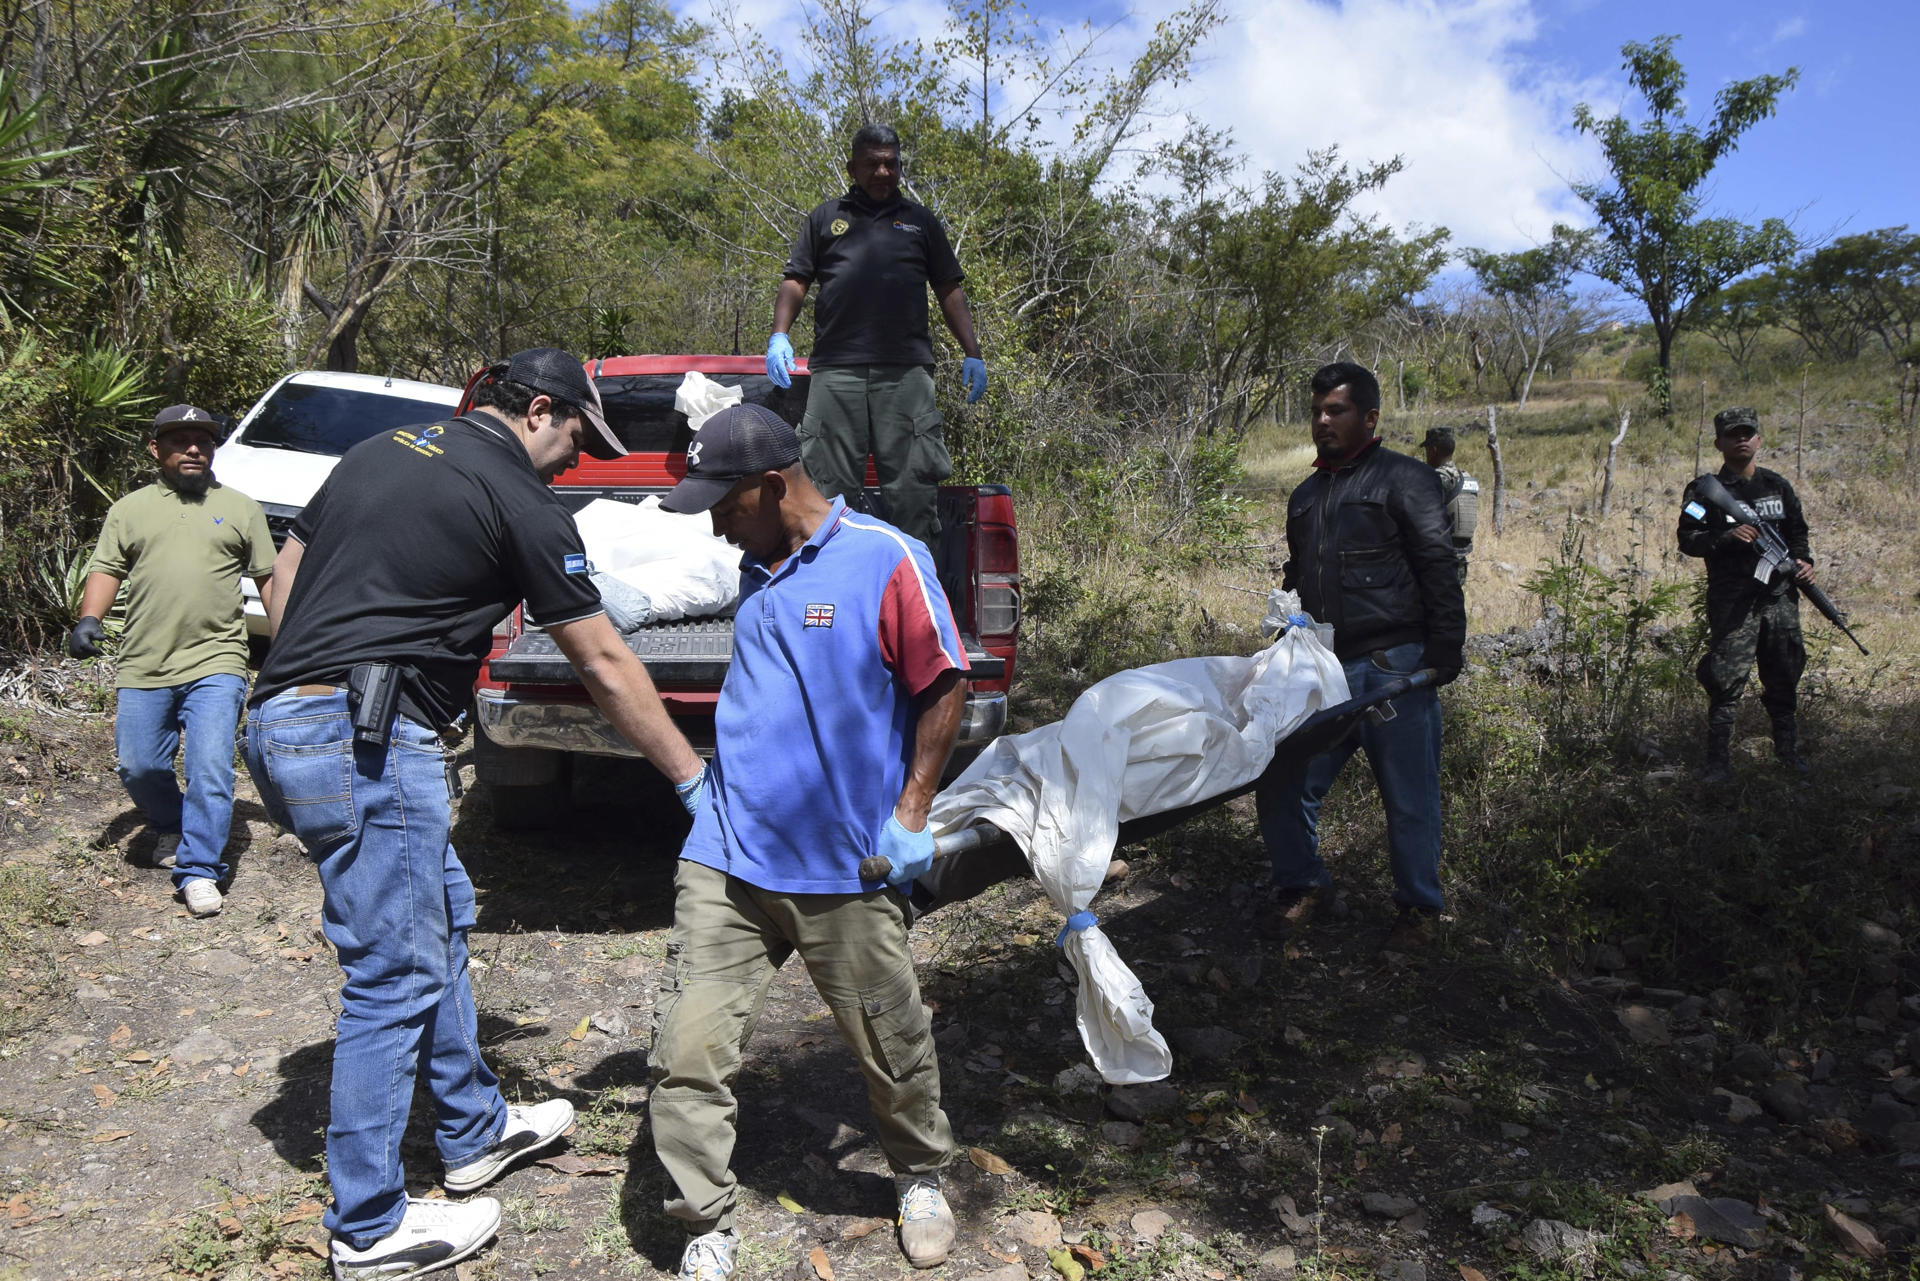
[163,1080]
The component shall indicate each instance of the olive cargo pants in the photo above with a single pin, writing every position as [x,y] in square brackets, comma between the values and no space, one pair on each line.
[729,939]
[888,411]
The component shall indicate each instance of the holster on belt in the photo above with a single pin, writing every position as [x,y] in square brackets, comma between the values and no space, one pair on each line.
[373,699]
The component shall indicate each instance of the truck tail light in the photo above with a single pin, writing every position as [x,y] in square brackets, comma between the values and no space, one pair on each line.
[999,607]
[997,563]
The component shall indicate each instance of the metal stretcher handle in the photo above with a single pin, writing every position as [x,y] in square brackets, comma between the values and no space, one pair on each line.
[1312,736]
[876,867]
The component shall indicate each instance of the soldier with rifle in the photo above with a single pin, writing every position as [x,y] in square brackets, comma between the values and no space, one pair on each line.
[1733,521]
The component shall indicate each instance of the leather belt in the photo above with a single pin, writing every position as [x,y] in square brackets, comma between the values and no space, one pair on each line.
[451,735]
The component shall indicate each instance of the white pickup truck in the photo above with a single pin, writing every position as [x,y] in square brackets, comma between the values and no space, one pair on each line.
[284,448]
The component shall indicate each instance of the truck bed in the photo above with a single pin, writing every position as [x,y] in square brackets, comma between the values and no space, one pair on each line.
[691,652]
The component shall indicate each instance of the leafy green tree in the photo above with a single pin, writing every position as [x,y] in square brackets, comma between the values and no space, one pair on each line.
[1264,278]
[1655,242]
[1859,288]
[1532,293]
[1737,316]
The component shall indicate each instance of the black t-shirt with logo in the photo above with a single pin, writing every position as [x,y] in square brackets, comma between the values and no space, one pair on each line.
[873,264]
[418,544]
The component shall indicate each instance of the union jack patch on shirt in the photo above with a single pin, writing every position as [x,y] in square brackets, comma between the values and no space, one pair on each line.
[819,616]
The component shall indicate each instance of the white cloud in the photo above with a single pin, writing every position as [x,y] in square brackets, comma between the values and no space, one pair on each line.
[1791,29]
[1448,85]
[1485,134]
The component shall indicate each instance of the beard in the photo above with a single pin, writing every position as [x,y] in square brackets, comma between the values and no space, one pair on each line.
[193,486]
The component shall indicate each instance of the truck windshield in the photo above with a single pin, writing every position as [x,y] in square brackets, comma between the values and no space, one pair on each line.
[332,420]
[640,406]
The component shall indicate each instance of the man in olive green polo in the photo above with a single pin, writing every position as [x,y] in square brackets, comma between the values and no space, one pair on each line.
[180,546]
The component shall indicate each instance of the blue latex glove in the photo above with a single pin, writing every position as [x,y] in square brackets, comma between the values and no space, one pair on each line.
[973,376]
[911,853]
[780,360]
[693,792]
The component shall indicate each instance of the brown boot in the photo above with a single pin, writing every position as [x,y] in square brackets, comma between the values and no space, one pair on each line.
[1413,932]
[1293,908]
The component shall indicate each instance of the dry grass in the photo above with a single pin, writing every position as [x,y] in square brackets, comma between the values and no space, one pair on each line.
[1851,475]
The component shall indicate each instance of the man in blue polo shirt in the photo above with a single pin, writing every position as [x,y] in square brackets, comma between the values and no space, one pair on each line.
[833,726]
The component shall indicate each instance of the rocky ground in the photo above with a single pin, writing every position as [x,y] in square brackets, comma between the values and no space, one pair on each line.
[1335,1110]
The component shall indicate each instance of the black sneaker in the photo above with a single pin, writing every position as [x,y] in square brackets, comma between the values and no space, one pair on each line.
[432,1235]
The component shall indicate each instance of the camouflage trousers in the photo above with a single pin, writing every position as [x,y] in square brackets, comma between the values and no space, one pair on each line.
[1765,632]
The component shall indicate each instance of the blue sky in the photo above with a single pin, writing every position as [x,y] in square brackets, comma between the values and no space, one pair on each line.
[1476,96]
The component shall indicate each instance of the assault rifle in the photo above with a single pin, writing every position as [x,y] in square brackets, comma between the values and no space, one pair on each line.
[1772,548]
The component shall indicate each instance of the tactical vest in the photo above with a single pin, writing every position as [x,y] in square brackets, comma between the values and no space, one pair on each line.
[1464,512]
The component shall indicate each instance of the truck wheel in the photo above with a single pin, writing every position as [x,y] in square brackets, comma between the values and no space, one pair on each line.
[529,787]
[531,806]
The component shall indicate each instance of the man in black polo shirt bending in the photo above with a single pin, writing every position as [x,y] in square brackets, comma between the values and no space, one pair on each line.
[874,254]
[394,576]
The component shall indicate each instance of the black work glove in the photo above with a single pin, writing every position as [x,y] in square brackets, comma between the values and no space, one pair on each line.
[1446,667]
[84,640]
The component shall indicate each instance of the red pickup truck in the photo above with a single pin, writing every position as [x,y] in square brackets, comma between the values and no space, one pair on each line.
[534,716]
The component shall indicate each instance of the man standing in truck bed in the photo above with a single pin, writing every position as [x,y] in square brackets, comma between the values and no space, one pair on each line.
[844,641]
[874,255]
[392,581]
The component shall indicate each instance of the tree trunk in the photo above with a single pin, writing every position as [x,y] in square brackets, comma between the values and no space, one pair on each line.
[1526,387]
[1499,472]
[1663,394]
[343,354]
[1700,432]
[1613,450]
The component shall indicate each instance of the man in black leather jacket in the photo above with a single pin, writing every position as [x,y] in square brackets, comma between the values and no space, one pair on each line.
[1371,554]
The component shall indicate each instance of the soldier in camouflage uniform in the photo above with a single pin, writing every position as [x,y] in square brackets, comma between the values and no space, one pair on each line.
[1751,616]
[1459,492]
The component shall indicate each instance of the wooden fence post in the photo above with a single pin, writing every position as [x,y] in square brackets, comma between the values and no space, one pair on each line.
[1700,435]
[1499,473]
[1800,440]
[1613,449]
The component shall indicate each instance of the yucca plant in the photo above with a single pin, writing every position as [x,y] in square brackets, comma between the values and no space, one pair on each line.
[30,226]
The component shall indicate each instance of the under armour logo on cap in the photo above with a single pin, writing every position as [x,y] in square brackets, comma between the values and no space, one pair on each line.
[739,441]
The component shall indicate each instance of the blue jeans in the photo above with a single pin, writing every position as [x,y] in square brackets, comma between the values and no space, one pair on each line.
[398,908]
[148,728]
[1405,755]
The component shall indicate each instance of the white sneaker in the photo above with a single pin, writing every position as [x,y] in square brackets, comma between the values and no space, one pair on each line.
[528,1129]
[433,1235]
[166,849]
[926,1220]
[710,1257]
[202,896]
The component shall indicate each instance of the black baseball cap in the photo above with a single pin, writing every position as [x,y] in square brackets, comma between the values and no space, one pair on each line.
[181,416]
[550,370]
[1733,419]
[737,442]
